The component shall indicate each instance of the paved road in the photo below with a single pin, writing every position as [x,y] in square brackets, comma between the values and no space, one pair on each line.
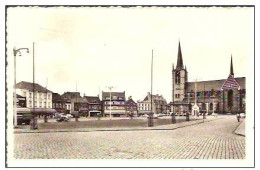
[210,140]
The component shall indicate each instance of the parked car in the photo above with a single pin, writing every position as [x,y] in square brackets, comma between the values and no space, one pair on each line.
[62,118]
[57,115]
[24,115]
[160,115]
[145,115]
[172,113]
[68,116]
[155,116]
[242,115]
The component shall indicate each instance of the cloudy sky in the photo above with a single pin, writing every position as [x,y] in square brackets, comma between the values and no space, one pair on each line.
[99,47]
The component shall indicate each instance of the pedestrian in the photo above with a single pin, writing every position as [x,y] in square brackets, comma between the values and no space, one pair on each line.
[238,117]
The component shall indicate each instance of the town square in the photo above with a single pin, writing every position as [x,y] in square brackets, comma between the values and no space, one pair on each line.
[130,83]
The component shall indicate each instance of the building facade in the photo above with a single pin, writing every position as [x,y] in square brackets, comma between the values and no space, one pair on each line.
[93,106]
[20,101]
[117,104]
[159,104]
[70,99]
[58,103]
[42,96]
[131,107]
[218,96]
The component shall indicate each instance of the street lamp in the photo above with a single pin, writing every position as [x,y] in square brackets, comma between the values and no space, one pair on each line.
[110,88]
[16,51]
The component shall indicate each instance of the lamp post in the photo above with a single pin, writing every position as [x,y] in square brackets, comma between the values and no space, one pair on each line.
[110,88]
[15,51]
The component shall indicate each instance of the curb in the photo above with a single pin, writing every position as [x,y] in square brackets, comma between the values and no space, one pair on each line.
[119,129]
[237,131]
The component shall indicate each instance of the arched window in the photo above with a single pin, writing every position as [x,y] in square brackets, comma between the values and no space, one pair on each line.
[211,106]
[230,98]
[203,106]
[217,107]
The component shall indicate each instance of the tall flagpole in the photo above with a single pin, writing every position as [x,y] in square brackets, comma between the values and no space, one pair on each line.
[34,124]
[150,117]
[152,83]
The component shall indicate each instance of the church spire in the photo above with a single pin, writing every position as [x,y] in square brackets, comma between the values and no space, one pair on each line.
[231,67]
[179,60]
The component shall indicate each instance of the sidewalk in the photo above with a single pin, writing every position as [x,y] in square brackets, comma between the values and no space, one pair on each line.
[161,127]
[241,128]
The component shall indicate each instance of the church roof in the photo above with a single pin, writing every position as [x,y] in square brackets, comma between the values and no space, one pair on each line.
[230,83]
[179,59]
[213,84]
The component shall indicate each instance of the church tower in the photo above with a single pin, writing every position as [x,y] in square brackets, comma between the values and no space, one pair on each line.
[179,79]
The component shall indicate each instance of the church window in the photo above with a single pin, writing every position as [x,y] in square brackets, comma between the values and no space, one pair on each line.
[211,106]
[177,78]
[230,98]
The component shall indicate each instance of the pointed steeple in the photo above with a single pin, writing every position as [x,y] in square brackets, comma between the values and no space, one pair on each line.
[179,60]
[172,66]
[231,67]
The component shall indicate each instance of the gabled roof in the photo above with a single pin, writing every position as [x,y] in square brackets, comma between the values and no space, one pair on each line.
[19,96]
[213,84]
[57,97]
[29,86]
[92,99]
[71,95]
[130,101]
[116,94]
[230,83]
[155,97]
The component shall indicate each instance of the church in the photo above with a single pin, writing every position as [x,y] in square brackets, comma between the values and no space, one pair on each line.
[214,96]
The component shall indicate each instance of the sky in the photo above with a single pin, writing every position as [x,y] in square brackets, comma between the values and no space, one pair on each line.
[88,49]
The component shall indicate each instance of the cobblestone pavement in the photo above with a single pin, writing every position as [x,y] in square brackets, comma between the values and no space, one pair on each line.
[209,140]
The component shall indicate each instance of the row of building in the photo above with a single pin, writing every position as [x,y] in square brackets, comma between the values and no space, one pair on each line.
[89,106]
[223,96]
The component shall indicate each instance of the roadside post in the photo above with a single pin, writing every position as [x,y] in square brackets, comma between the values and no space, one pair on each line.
[150,120]
[45,119]
[187,116]
[204,115]
[173,118]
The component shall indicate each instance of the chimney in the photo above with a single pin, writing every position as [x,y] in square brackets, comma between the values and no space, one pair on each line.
[130,97]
